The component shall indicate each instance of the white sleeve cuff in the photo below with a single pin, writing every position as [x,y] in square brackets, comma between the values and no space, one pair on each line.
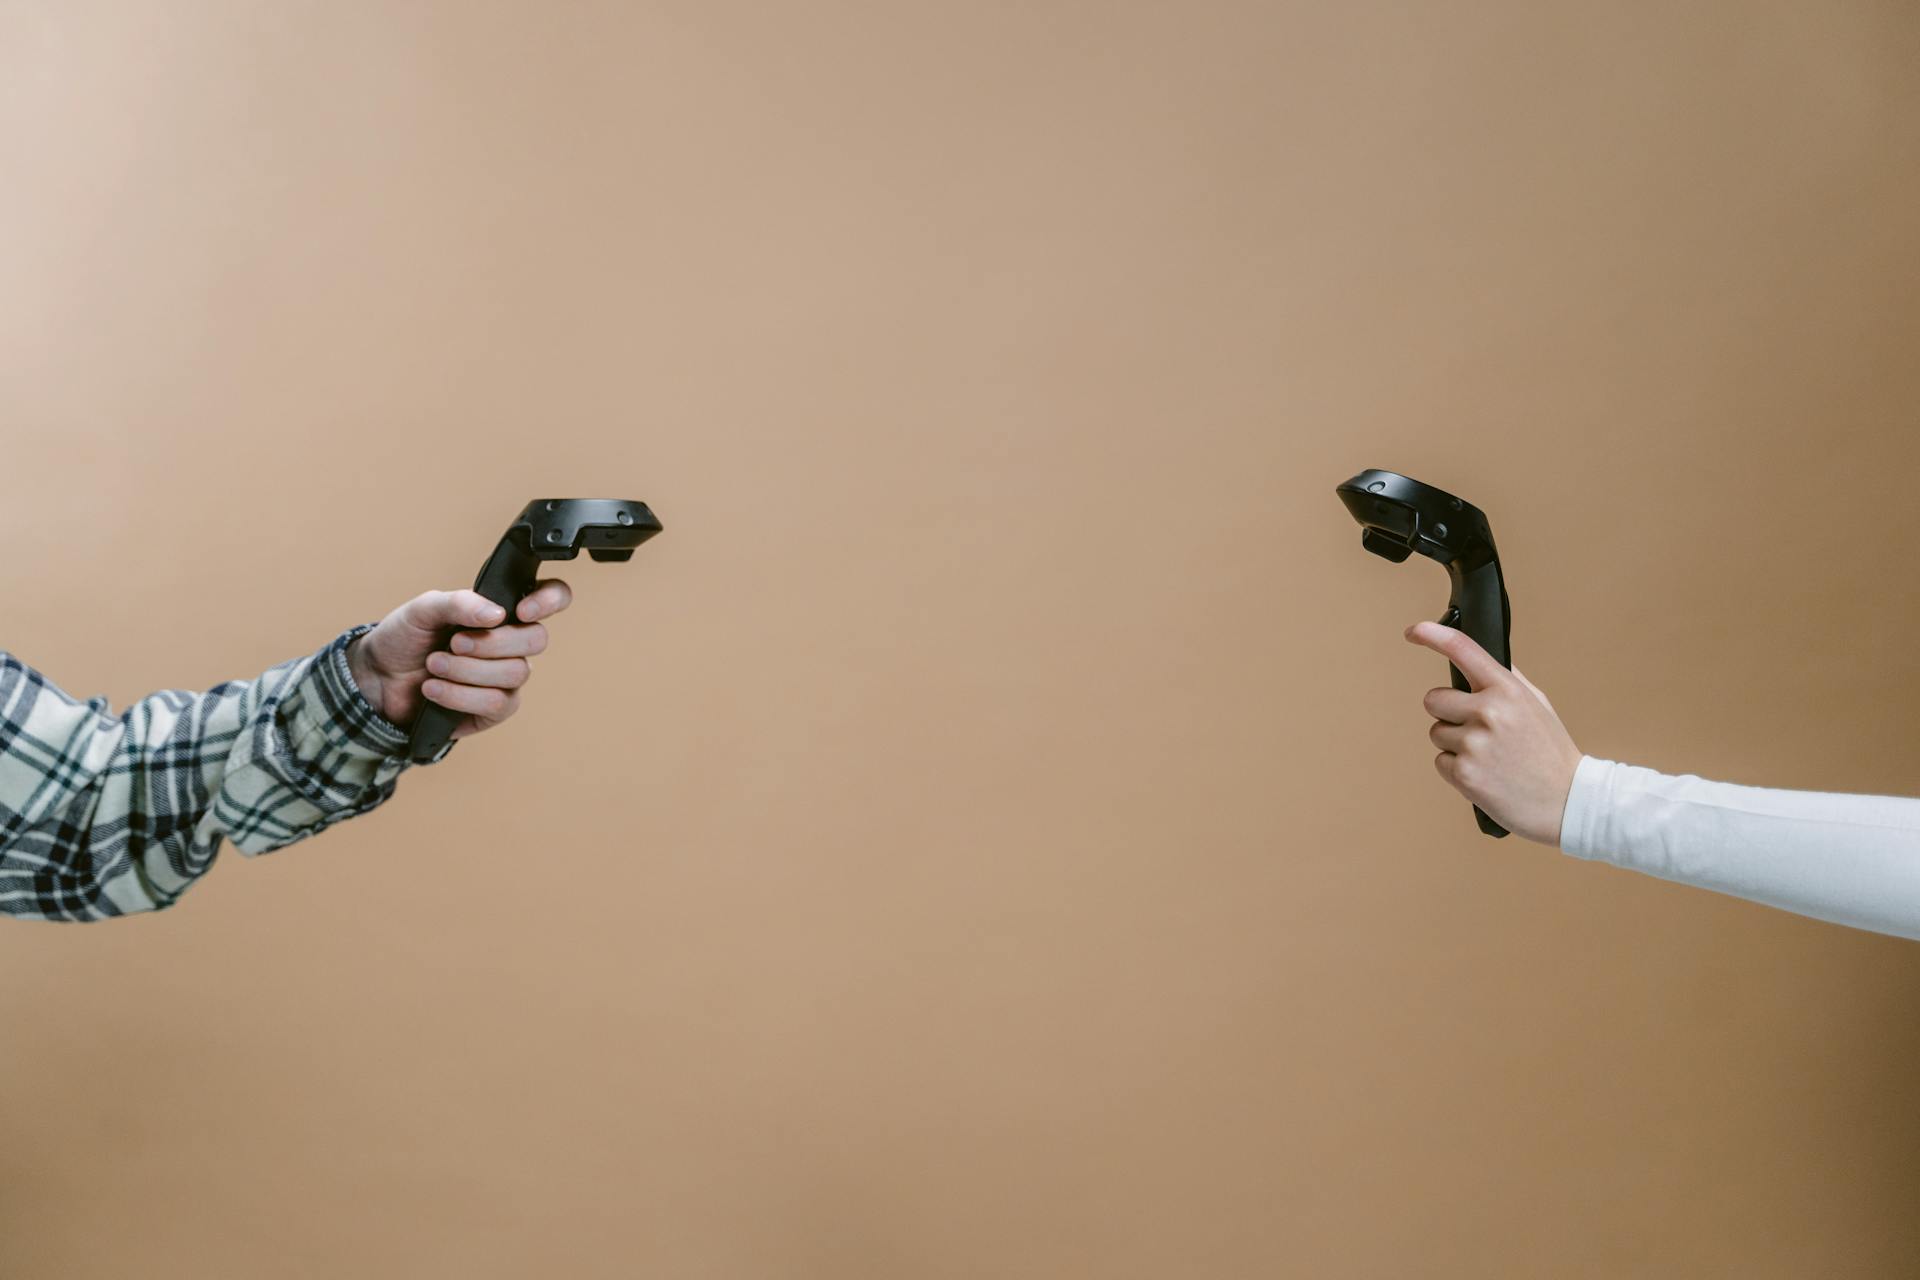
[1588,802]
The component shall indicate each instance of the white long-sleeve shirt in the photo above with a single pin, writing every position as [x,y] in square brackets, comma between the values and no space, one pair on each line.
[1850,859]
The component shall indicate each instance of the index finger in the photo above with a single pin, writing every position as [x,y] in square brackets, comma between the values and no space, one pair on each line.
[547,598]
[1481,668]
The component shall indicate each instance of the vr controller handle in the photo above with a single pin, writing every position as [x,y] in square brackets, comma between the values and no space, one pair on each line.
[506,578]
[1478,607]
[1487,824]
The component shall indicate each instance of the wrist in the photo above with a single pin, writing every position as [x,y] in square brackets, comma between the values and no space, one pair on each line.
[1562,787]
[362,671]
[342,712]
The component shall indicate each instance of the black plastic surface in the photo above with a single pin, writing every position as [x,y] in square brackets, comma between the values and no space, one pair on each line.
[1399,516]
[608,529]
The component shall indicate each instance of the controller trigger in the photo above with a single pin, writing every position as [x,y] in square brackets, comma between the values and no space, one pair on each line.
[1385,545]
[1451,618]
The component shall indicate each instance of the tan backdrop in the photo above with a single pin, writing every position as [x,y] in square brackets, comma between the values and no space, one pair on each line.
[992,832]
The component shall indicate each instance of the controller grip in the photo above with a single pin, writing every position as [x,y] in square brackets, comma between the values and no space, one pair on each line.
[1487,824]
[506,578]
[1479,607]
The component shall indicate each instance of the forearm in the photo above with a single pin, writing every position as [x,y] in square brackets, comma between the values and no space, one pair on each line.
[103,815]
[1849,859]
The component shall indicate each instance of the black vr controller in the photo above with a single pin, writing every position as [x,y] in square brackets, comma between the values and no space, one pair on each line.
[1400,516]
[549,529]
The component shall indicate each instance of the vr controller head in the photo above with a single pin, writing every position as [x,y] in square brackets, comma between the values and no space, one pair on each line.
[605,528]
[1399,516]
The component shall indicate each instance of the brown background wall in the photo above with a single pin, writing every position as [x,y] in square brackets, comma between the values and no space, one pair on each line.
[992,832]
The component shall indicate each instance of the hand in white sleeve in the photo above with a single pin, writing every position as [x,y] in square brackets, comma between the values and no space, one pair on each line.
[1848,859]
[1501,746]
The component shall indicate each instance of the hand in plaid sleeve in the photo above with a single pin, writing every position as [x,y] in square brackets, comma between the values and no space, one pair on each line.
[403,659]
[102,815]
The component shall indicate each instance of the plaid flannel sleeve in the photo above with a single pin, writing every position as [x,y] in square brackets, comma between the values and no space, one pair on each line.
[101,815]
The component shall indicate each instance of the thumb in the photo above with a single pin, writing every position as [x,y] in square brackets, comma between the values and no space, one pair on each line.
[1462,650]
[444,610]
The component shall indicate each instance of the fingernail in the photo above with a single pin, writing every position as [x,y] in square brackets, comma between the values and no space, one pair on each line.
[493,613]
[462,645]
[436,664]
